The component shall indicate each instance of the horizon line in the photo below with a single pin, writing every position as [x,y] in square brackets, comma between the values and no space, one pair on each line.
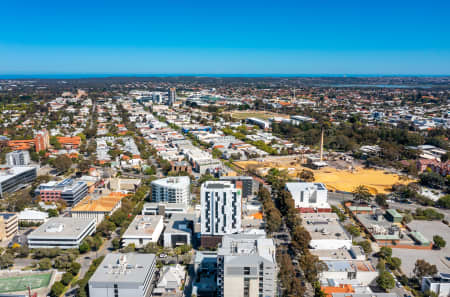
[84,75]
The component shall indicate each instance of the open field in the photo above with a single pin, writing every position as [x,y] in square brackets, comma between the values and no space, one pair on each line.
[242,115]
[345,180]
[21,282]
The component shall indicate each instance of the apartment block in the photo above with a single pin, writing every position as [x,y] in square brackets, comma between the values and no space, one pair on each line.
[9,225]
[171,190]
[127,275]
[246,266]
[221,210]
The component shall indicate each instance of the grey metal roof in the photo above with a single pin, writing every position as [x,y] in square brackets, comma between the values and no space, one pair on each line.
[117,268]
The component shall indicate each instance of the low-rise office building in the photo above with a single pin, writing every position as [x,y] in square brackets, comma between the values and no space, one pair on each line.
[143,230]
[61,232]
[15,177]
[179,230]
[128,275]
[69,190]
[33,216]
[326,231]
[9,225]
[163,208]
[309,197]
[437,284]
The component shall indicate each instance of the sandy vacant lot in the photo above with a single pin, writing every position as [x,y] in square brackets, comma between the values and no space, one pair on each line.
[378,181]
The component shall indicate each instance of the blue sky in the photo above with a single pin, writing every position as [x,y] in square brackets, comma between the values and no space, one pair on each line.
[188,36]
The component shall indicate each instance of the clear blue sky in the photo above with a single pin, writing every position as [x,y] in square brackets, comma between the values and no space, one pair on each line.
[246,36]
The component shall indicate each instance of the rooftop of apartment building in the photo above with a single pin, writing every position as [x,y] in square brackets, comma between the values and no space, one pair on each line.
[123,268]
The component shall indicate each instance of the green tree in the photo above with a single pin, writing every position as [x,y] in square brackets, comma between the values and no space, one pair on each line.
[66,278]
[362,194]
[62,163]
[385,280]
[353,230]
[385,252]
[57,289]
[84,247]
[6,260]
[116,243]
[380,199]
[45,264]
[438,242]
[444,202]
[366,246]
[394,263]
[52,213]
[423,268]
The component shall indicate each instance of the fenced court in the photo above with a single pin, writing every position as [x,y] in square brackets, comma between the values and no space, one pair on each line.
[21,282]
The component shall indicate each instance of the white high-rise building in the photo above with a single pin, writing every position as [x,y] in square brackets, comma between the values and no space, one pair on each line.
[171,190]
[247,266]
[157,98]
[220,208]
[18,158]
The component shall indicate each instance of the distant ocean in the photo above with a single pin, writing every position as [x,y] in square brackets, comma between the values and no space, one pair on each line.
[105,75]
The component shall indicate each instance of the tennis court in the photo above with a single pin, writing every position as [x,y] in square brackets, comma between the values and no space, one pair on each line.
[20,283]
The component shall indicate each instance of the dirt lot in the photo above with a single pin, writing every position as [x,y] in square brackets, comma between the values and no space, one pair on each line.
[378,181]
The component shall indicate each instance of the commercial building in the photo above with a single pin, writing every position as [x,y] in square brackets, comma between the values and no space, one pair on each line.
[163,208]
[97,207]
[246,266]
[171,282]
[326,231]
[15,178]
[179,230]
[18,158]
[220,211]
[143,230]
[127,275]
[359,271]
[438,284]
[246,183]
[171,190]
[69,190]
[9,225]
[61,232]
[309,197]
[32,216]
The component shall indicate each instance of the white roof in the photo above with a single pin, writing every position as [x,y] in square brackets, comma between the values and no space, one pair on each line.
[30,214]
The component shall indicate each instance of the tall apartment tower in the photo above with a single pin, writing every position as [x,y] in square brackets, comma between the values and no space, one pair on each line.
[42,141]
[171,96]
[172,190]
[220,211]
[246,266]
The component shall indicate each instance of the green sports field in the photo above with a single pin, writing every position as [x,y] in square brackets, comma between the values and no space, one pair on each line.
[20,283]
